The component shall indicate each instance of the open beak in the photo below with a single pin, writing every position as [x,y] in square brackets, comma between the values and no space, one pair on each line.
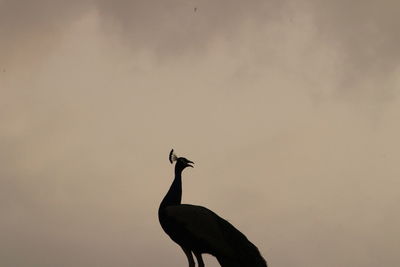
[190,163]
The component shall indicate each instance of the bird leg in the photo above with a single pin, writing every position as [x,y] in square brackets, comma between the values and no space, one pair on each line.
[200,261]
[189,256]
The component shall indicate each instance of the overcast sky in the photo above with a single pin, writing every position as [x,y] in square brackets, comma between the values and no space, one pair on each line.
[290,110]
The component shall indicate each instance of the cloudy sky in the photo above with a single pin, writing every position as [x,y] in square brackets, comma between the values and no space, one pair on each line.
[290,110]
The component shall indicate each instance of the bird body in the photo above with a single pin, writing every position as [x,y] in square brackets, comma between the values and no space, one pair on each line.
[199,230]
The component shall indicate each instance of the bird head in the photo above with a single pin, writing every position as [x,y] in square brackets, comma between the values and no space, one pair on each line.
[181,162]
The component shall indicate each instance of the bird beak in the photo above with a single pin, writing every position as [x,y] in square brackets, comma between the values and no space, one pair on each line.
[190,165]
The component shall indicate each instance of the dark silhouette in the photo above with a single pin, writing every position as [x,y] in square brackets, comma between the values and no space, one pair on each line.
[198,230]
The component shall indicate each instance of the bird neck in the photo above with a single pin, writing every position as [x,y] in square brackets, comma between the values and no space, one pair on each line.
[174,194]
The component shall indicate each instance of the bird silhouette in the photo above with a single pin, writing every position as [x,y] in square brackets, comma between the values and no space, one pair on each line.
[198,230]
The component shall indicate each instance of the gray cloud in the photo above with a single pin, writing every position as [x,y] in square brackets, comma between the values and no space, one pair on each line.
[362,36]
[172,28]
[30,30]
[366,33]
[98,93]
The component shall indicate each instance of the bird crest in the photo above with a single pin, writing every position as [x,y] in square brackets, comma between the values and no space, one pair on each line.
[172,156]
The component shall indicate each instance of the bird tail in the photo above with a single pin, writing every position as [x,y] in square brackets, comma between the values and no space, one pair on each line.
[226,262]
[246,254]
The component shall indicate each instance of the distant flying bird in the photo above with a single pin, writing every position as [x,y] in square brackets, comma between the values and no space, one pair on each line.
[198,230]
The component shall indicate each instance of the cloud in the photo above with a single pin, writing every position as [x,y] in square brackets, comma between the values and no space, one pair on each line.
[29,30]
[365,33]
[294,141]
[172,28]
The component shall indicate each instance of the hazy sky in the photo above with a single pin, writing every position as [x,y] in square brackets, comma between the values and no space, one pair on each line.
[290,110]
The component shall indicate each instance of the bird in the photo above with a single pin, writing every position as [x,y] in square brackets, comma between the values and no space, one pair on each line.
[198,230]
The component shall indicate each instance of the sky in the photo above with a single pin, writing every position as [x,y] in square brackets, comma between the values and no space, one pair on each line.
[289,109]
